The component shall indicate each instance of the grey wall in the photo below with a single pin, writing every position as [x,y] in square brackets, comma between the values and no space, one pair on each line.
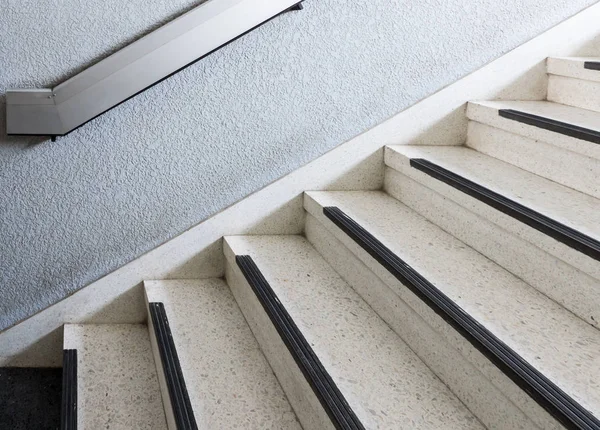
[74,210]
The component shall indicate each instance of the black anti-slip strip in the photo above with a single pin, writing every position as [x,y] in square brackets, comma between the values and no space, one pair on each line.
[333,401]
[548,395]
[68,413]
[180,401]
[567,235]
[592,65]
[552,125]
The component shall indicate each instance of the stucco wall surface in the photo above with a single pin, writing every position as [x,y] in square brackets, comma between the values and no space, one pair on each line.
[74,210]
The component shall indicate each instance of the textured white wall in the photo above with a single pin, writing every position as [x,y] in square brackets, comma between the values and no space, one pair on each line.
[73,210]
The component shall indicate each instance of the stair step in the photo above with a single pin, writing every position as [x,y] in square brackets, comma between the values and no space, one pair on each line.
[549,274]
[564,126]
[560,220]
[381,379]
[558,345]
[439,346]
[117,386]
[586,68]
[228,380]
[559,165]
[574,82]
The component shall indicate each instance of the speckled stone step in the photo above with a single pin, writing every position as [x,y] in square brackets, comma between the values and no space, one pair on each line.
[574,81]
[383,381]
[117,386]
[559,165]
[575,210]
[228,380]
[488,112]
[587,68]
[558,344]
[552,276]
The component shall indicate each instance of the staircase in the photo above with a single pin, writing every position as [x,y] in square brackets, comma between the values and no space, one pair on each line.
[464,295]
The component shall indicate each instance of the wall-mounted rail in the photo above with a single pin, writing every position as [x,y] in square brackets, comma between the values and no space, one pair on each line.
[135,68]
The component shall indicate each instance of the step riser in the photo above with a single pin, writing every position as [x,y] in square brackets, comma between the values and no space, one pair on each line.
[557,249]
[574,92]
[490,116]
[462,349]
[551,276]
[433,347]
[301,396]
[564,167]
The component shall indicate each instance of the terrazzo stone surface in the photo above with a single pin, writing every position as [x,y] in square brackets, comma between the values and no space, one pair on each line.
[300,394]
[428,335]
[383,381]
[574,92]
[279,97]
[30,398]
[458,344]
[550,275]
[117,386]
[557,343]
[573,67]
[565,205]
[228,379]
[557,164]
[487,112]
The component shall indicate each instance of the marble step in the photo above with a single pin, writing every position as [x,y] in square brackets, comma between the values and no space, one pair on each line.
[550,216]
[117,385]
[552,276]
[574,82]
[548,339]
[586,68]
[224,375]
[334,356]
[565,167]
[566,127]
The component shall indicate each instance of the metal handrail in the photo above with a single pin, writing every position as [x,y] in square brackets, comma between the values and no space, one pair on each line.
[60,110]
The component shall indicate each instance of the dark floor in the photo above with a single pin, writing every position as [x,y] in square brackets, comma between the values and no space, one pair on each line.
[30,398]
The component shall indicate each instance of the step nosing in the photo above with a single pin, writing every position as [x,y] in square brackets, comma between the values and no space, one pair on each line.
[325,389]
[68,416]
[550,124]
[543,223]
[282,319]
[591,65]
[178,395]
[538,386]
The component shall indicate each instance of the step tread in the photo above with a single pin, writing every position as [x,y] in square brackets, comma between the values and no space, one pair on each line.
[563,113]
[574,67]
[572,128]
[117,384]
[229,381]
[565,205]
[384,382]
[556,342]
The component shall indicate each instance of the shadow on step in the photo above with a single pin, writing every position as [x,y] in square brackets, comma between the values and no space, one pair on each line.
[30,398]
